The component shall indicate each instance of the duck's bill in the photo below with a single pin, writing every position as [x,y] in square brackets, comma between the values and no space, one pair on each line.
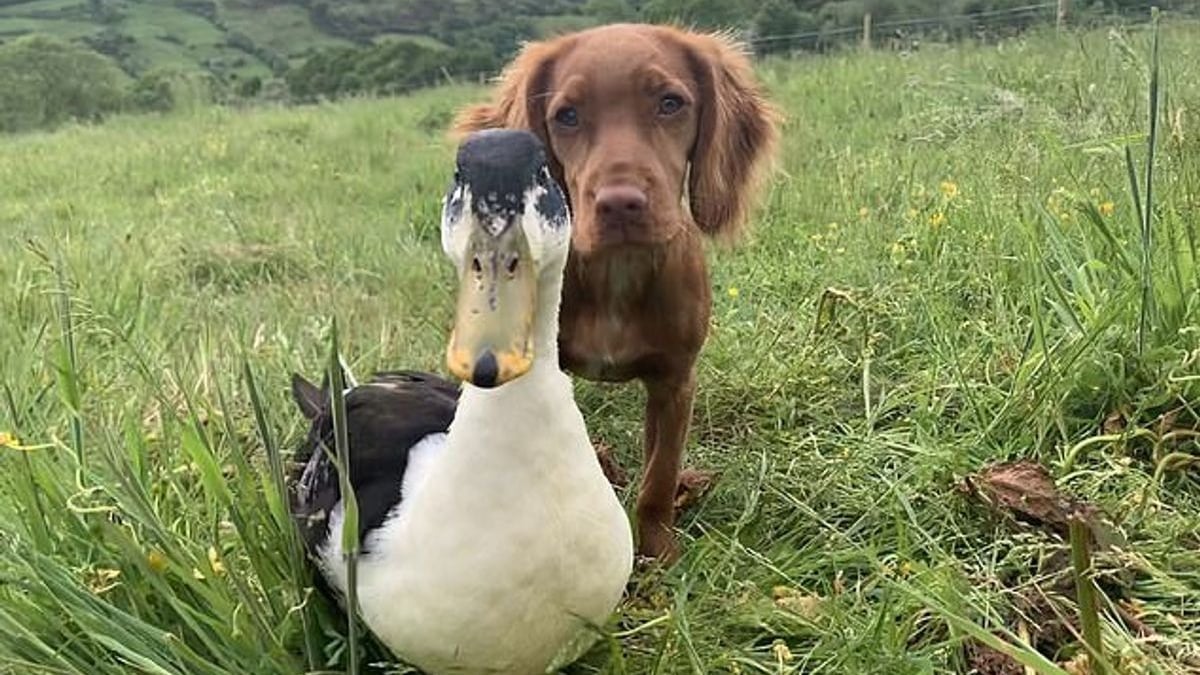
[492,342]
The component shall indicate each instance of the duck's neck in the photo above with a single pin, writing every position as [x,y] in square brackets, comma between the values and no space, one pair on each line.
[545,321]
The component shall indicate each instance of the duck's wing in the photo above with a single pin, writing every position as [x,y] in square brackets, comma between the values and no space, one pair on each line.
[386,418]
[434,382]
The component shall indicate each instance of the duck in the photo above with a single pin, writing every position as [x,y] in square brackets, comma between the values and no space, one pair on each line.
[490,539]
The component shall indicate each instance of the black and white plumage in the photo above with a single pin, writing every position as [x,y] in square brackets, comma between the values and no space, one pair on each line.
[383,441]
[490,540]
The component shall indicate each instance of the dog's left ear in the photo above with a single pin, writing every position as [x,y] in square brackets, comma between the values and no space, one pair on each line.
[736,137]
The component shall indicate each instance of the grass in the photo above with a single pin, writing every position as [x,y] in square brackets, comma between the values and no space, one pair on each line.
[947,272]
[19,25]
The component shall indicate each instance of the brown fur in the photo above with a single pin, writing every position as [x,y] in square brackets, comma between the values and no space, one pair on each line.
[654,107]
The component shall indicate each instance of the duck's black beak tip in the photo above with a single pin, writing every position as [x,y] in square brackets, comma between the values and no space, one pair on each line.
[486,373]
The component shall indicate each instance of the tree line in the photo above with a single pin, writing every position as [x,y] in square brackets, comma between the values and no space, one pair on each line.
[481,36]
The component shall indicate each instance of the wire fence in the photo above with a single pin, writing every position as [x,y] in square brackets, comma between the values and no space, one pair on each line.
[990,24]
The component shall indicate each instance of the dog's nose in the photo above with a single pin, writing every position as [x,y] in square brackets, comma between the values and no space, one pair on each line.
[618,204]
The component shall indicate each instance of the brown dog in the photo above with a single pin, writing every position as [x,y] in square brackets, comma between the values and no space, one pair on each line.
[637,118]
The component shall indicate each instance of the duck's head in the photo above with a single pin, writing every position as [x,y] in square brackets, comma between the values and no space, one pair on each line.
[506,226]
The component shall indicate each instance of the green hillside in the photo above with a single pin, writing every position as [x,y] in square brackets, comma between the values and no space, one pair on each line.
[238,38]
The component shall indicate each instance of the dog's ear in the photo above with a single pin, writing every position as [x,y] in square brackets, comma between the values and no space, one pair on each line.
[736,137]
[520,98]
[308,397]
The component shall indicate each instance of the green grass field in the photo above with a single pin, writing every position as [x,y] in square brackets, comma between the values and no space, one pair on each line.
[949,270]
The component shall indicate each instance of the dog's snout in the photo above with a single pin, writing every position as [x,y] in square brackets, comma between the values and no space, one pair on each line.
[620,204]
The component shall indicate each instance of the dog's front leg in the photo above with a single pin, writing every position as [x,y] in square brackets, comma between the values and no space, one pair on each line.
[668,416]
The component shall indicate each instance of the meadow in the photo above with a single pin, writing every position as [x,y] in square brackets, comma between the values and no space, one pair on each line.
[951,268]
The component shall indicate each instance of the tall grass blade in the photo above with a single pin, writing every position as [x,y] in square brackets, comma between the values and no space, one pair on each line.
[1134,190]
[278,501]
[337,385]
[25,487]
[66,362]
[1085,591]
[1147,241]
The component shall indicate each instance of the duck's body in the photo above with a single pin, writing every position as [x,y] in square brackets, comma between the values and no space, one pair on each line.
[492,543]
[498,554]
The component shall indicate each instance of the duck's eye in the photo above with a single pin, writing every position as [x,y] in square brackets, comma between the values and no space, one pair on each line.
[670,104]
[567,116]
[511,266]
[476,266]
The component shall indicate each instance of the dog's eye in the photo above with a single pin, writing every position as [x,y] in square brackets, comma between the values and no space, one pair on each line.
[567,116]
[670,104]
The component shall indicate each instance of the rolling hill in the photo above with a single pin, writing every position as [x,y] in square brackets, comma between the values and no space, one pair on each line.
[240,38]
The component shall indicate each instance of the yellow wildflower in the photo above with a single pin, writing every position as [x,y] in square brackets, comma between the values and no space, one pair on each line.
[863,212]
[906,568]
[157,561]
[949,189]
[734,292]
[937,219]
[214,561]
[9,440]
[1106,208]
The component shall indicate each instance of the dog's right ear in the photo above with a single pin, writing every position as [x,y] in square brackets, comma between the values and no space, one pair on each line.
[308,397]
[519,101]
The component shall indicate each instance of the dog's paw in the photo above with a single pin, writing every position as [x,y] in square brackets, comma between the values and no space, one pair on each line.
[693,484]
[657,546]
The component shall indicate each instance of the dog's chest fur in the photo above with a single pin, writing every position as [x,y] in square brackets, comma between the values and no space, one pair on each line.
[620,321]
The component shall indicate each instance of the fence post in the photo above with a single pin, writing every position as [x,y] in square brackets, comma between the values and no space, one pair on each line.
[866,36]
[1064,7]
